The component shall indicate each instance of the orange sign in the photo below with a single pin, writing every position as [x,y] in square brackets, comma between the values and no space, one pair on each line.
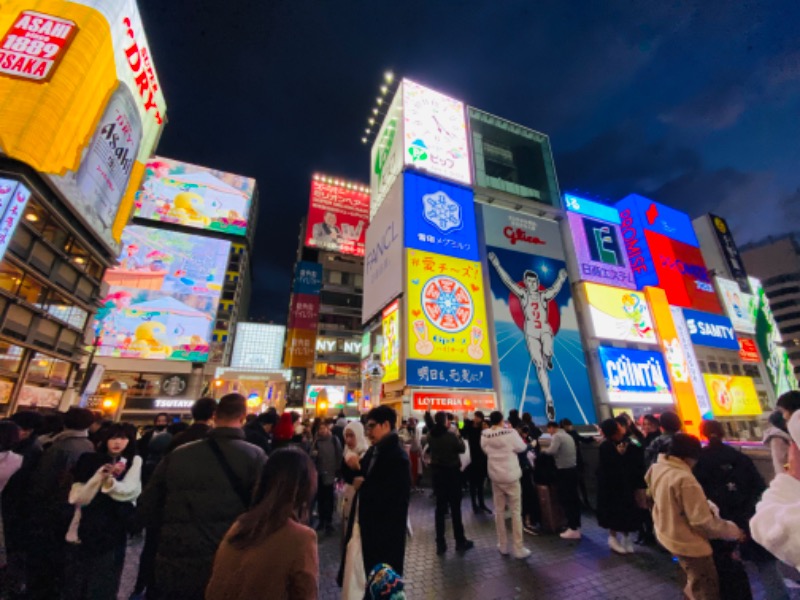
[748,351]
[454,401]
[300,348]
[678,363]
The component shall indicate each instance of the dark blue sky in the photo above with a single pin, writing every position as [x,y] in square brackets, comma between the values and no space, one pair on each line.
[696,104]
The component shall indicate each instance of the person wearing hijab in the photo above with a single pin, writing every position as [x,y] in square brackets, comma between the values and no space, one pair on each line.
[355,444]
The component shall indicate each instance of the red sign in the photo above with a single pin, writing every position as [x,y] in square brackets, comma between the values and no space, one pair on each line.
[748,351]
[304,312]
[34,45]
[454,401]
[338,217]
[682,274]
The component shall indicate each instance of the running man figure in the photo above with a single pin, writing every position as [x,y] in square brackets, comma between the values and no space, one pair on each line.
[538,333]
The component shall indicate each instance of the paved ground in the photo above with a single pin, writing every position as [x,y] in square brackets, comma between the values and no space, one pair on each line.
[556,568]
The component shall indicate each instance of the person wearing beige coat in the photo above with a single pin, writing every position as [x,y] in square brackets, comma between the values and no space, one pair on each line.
[685,520]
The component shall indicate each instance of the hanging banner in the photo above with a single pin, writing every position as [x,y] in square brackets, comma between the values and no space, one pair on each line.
[541,357]
[730,252]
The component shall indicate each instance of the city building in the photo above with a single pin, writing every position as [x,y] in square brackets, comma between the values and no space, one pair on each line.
[183,281]
[776,262]
[484,290]
[324,333]
[68,171]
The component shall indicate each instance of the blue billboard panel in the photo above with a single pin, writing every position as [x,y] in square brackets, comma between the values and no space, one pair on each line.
[439,217]
[593,210]
[674,224]
[711,330]
[635,376]
[541,360]
[434,373]
[307,278]
[639,255]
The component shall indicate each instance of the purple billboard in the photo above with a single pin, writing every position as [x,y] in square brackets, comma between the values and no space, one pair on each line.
[600,251]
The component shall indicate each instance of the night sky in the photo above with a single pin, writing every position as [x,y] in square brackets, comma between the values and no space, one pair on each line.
[695,104]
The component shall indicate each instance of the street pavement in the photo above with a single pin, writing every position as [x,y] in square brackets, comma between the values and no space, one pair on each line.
[584,569]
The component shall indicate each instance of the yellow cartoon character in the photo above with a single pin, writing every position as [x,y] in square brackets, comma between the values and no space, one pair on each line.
[187,207]
[147,340]
[634,309]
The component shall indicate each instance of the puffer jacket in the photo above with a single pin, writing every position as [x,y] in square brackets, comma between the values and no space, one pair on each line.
[193,501]
[502,447]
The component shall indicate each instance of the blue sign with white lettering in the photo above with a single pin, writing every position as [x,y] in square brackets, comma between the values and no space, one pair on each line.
[637,371]
[439,217]
[433,373]
[674,224]
[307,278]
[592,209]
[711,330]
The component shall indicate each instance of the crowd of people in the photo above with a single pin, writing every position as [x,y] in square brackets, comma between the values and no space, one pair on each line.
[226,504]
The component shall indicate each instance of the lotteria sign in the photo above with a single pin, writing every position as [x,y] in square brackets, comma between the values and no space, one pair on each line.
[710,330]
[634,376]
[454,401]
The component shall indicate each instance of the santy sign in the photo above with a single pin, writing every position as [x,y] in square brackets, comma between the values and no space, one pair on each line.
[453,401]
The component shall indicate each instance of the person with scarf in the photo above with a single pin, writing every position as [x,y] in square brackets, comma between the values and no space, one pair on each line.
[355,446]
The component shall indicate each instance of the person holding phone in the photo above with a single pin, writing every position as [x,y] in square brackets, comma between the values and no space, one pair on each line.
[107,483]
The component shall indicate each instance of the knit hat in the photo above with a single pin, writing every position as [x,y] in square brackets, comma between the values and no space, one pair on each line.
[385,584]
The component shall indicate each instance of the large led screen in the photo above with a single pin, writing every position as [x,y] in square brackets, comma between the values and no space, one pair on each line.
[338,216]
[193,196]
[619,314]
[732,396]
[634,376]
[163,296]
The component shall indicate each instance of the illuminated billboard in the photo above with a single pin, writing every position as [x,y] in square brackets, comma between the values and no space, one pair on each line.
[307,278]
[304,311]
[338,215]
[591,209]
[386,157]
[439,217]
[435,133]
[732,396]
[184,194]
[740,307]
[162,298]
[730,252]
[258,346]
[14,198]
[467,402]
[600,251]
[770,344]
[446,332]
[683,369]
[541,359]
[748,351]
[681,272]
[390,351]
[300,348]
[324,397]
[634,376]
[95,53]
[639,256]
[619,314]
[658,218]
[710,330]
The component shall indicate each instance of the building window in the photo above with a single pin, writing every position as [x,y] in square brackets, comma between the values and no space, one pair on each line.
[335,277]
[10,277]
[10,357]
[787,317]
[52,370]
[784,292]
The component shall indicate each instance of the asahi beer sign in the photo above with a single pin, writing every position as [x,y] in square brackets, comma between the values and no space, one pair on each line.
[34,45]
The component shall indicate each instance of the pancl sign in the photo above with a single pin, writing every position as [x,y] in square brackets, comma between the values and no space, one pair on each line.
[634,376]
[711,330]
[383,259]
[439,217]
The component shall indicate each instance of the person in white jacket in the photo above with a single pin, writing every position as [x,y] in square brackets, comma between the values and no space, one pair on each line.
[776,524]
[107,484]
[502,447]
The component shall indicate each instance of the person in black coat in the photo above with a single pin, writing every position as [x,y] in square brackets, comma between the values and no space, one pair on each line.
[384,491]
[478,468]
[732,482]
[620,474]
[259,431]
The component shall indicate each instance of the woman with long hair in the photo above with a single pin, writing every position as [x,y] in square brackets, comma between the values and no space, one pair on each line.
[269,552]
[107,484]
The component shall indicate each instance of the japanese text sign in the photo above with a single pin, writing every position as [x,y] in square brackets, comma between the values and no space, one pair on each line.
[307,278]
[439,217]
[453,401]
[390,351]
[337,217]
[730,252]
[600,251]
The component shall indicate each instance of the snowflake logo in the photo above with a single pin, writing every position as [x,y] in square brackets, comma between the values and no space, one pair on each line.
[442,212]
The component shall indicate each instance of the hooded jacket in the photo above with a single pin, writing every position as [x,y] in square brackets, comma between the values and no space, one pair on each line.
[501,447]
[682,517]
[444,445]
[777,519]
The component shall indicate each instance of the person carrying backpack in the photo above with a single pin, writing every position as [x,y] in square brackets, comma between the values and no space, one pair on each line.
[731,481]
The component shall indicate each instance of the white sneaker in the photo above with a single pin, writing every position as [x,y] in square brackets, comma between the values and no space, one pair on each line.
[571,534]
[627,543]
[525,553]
[501,550]
[615,545]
